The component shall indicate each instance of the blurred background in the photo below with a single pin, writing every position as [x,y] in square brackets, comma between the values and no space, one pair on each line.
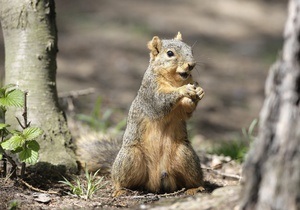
[102,45]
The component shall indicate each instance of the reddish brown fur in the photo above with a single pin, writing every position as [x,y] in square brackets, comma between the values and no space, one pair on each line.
[156,155]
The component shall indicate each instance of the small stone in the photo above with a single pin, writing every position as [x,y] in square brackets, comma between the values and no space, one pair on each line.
[216,163]
[42,197]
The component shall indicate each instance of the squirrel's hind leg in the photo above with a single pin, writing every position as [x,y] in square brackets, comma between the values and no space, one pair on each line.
[129,170]
[187,164]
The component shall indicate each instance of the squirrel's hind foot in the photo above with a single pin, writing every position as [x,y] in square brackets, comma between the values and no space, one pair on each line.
[193,191]
[120,192]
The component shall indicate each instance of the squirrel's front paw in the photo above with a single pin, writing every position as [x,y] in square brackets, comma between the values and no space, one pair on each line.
[192,91]
[199,92]
[188,90]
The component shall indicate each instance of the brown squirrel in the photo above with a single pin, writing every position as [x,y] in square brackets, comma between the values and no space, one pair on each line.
[156,154]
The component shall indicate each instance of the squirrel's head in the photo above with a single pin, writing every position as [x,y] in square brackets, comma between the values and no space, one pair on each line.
[172,56]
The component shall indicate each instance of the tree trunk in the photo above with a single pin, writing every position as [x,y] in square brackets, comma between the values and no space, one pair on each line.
[272,169]
[30,38]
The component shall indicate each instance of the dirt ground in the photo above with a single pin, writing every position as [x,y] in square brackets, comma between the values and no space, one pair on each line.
[221,185]
[102,44]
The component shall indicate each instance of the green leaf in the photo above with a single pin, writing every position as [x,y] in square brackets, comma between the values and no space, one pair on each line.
[3,126]
[107,114]
[13,142]
[3,130]
[1,153]
[29,156]
[8,86]
[4,89]
[12,98]
[120,125]
[16,132]
[33,145]
[32,133]
[2,92]
[252,126]
[17,150]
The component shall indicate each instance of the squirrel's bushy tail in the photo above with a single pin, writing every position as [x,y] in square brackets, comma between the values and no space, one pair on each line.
[97,151]
[94,150]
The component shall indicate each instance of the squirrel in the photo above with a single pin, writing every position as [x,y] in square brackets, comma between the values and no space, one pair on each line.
[156,155]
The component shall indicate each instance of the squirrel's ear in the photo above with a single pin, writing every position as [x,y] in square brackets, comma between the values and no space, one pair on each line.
[154,46]
[178,36]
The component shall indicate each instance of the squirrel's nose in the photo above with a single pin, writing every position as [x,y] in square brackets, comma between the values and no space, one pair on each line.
[191,66]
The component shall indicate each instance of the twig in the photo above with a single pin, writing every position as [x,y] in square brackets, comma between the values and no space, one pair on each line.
[233,176]
[70,96]
[22,126]
[151,195]
[13,170]
[36,189]
[75,94]
[142,196]
[172,194]
[4,160]
[26,125]
[23,168]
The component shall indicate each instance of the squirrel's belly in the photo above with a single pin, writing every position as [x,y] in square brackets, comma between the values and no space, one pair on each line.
[161,181]
[160,143]
[162,176]
[168,182]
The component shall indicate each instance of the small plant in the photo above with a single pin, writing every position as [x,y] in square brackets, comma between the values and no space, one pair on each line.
[76,189]
[13,205]
[22,142]
[237,149]
[88,189]
[248,133]
[101,120]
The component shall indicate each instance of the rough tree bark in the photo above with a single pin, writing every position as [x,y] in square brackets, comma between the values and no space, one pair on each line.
[272,169]
[30,37]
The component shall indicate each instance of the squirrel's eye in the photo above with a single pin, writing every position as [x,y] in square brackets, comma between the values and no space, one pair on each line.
[170,53]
